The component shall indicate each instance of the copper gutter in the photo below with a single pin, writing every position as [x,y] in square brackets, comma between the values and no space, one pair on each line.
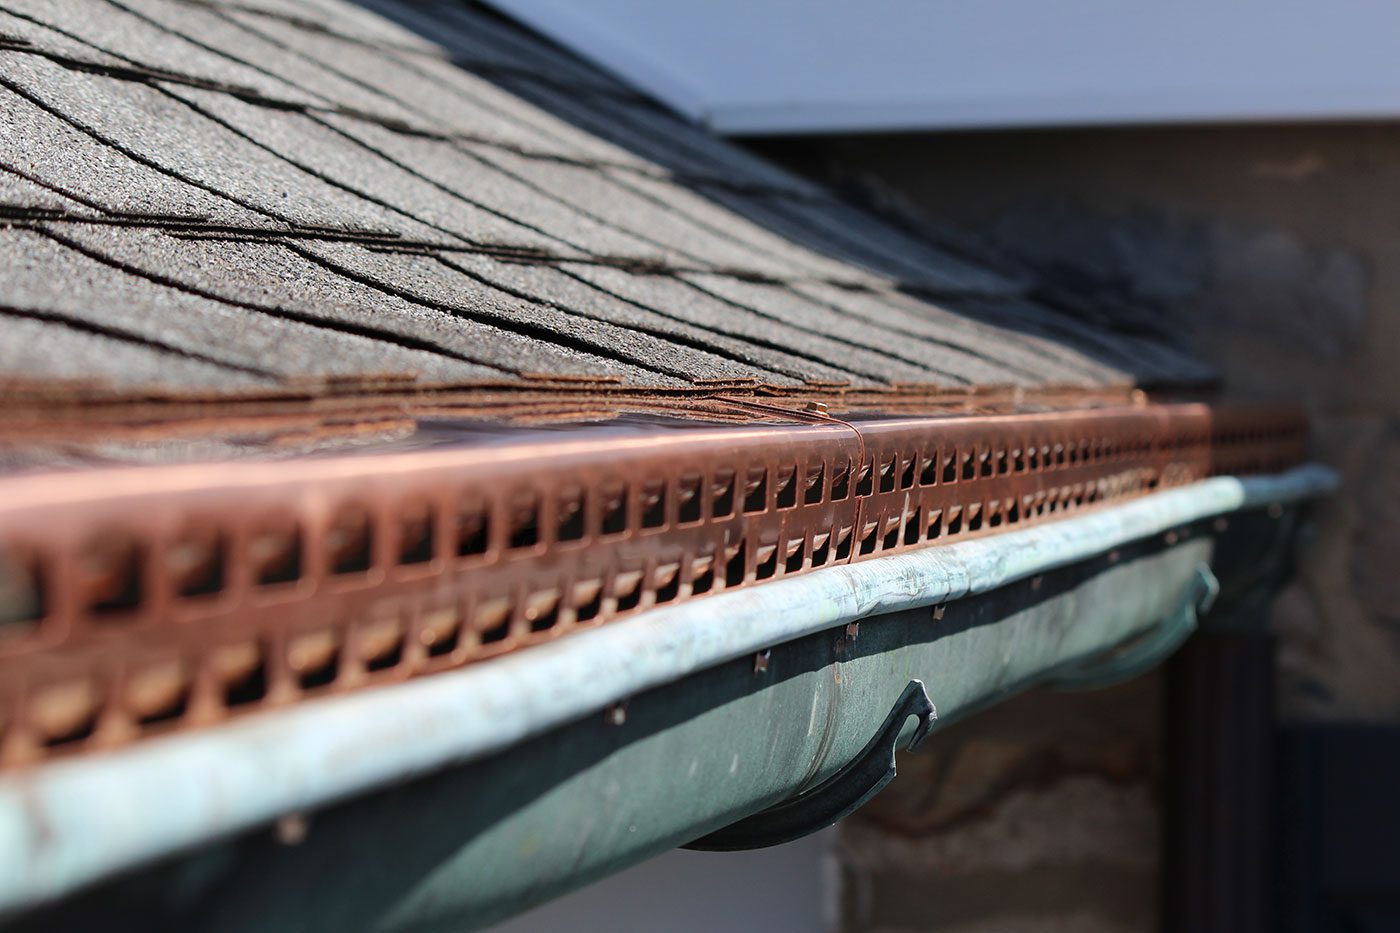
[161,598]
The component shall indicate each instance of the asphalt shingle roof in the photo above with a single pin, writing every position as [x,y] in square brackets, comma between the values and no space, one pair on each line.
[218,195]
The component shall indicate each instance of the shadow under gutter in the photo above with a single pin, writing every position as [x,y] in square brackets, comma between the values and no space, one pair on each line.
[597,751]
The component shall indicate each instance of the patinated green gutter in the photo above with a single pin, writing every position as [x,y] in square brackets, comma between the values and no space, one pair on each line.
[555,800]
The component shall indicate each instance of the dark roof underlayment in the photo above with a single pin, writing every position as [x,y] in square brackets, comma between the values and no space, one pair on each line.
[283,202]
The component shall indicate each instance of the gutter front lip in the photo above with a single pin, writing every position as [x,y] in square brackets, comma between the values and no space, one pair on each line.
[71,822]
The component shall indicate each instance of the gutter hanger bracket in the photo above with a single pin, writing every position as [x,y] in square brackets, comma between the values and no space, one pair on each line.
[1149,650]
[837,797]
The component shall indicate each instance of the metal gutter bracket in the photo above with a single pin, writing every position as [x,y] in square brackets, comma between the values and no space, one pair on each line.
[1149,650]
[837,797]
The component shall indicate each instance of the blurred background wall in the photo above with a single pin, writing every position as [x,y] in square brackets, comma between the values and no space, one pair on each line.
[1274,250]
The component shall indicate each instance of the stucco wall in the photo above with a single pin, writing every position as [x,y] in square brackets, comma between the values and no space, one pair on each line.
[1039,815]
[1275,251]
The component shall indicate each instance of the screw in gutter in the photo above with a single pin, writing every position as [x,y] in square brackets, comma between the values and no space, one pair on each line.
[760,662]
[291,829]
[616,714]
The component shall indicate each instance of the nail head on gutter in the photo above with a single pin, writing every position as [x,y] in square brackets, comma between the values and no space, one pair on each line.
[291,829]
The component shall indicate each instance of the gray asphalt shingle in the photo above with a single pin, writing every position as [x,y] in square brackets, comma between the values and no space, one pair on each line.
[51,149]
[116,31]
[282,282]
[98,293]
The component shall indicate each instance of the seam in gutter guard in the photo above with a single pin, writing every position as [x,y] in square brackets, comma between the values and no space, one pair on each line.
[70,822]
[169,598]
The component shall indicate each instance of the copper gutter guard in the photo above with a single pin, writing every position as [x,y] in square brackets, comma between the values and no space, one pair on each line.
[156,598]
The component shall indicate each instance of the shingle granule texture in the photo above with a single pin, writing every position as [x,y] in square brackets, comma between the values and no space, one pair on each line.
[222,196]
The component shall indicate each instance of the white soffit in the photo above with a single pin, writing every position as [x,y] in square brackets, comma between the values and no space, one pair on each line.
[799,66]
